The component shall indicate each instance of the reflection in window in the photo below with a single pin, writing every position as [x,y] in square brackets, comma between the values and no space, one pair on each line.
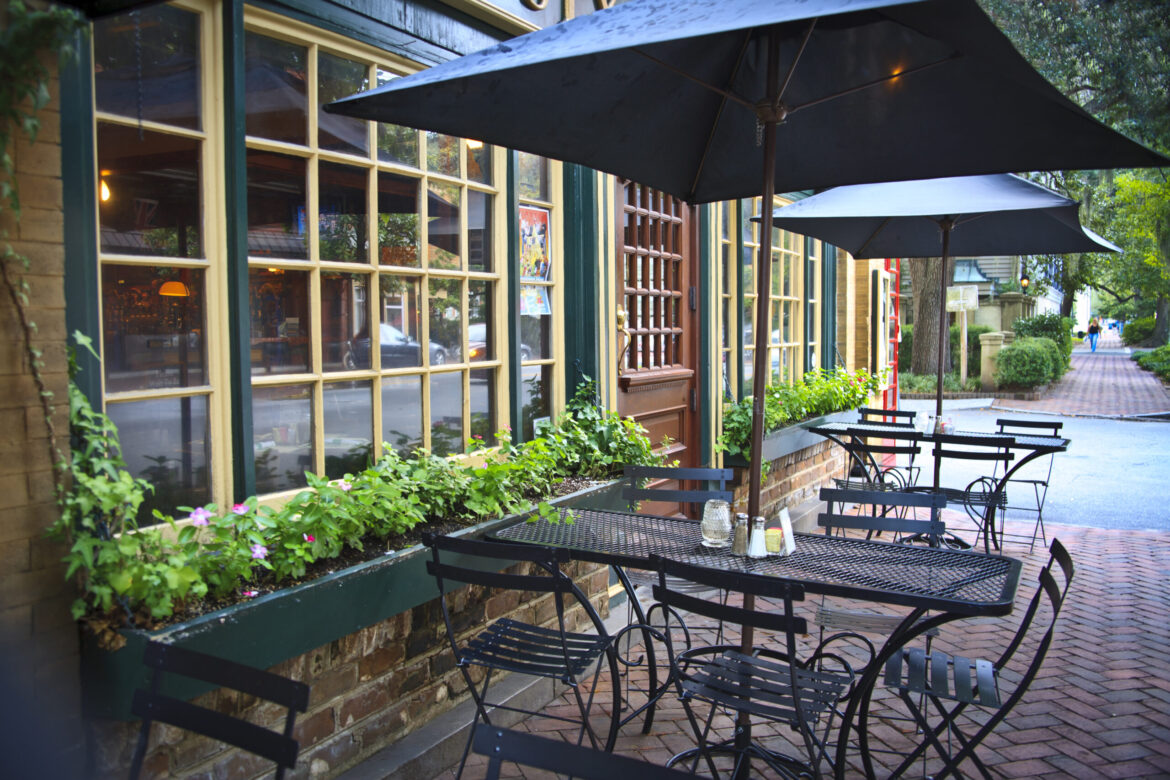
[402,413]
[349,421]
[399,332]
[536,334]
[479,231]
[146,66]
[443,225]
[447,413]
[338,78]
[396,144]
[532,176]
[153,327]
[535,388]
[277,104]
[479,162]
[483,405]
[442,153]
[397,220]
[282,436]
[279,307]
[345,322]
[149,193]
[166,441]
[276,206]
[341,198]
[479,321]
[446,320]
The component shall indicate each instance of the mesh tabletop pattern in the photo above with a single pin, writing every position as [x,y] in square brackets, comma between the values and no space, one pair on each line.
[1025,442]
[957,581]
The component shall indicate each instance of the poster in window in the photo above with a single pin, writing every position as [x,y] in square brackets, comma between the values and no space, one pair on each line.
[534,301]
[534,259]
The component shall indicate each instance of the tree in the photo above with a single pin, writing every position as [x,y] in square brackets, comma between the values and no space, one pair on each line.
[1140,207]
[924,284]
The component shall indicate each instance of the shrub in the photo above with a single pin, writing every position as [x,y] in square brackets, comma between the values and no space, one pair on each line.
[1055,357]
[974,349]
[906,349]
[1137,331]
[928,383]
[1051,326]
[1157,360]
[1024,363]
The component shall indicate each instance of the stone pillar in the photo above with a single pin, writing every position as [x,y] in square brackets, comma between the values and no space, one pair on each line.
[989,345]
[1012,308]
[1008,337]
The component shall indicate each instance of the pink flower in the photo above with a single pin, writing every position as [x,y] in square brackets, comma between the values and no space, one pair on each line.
[344,485]
[199,516]
[240,509]
[251,593]
[477,437]
[308,538]
[259,551]
[508,428]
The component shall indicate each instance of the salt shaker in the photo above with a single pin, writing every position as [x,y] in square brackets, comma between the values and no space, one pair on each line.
[739,542]
[758,547]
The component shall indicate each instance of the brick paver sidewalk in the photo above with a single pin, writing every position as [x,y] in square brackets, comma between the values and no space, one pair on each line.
[1104,383]
[1099,708]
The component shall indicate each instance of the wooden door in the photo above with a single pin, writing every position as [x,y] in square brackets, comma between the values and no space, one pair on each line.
[658,323]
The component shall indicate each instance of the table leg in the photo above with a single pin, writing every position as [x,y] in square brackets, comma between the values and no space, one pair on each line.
[989,537]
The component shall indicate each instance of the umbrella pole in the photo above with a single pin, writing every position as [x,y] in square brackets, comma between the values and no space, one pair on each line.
[946,224]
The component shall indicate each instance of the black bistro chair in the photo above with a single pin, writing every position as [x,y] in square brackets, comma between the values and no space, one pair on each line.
[978,497]
[887,517]
[952,683]
[658,484]
[886,416]
[153,705]
[866,453]
[1039,486]
[765,684]
[554,755]
[510,645]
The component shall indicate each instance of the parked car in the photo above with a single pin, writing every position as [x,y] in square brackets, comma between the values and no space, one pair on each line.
[398,350]
[477,347]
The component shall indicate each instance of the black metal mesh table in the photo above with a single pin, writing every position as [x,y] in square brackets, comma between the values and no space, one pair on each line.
[1020,441]
[956,581]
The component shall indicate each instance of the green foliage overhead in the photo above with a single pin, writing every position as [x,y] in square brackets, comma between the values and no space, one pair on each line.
[819,392]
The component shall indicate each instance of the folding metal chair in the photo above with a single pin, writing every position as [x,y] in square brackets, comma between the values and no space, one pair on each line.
[978,497]
[866,453]
[510,645]
[1039,486]
[940,677]
[152,705]
[553,755]
[763,683]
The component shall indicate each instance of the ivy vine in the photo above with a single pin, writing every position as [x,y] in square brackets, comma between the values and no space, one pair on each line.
[27,35]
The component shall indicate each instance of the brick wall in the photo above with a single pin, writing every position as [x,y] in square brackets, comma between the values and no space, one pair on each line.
[794,481]
[38,638]
[368,689]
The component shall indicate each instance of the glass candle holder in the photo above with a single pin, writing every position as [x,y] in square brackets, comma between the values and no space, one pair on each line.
[716,525]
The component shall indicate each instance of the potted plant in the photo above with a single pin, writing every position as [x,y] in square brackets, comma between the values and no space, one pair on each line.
[820,396]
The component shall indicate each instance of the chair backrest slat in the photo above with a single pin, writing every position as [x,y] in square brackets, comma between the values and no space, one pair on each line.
[500,744]
[893,523]
[497,579]
[932,525]
[884,497]
[498,550]
[152,705]
[1006,425]
[869,414]
[713,483]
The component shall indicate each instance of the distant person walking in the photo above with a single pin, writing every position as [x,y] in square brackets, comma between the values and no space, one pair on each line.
[1094,333]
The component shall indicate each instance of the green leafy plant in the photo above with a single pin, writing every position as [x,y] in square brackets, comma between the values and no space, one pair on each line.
[1023,364]
[1156,360]
[974,347]
[1051,326]
[1137,331]
[819,392]
[928,383]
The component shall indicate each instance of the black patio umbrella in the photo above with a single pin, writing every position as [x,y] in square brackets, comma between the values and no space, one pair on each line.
[967,216]
[678,95]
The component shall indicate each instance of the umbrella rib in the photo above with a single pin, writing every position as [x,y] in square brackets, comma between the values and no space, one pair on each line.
[874,83]
[799,52]
[872,236]
[728,94]
[718,115]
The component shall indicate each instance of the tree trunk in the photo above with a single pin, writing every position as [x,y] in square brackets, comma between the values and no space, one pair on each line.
[1161,334]
[1066,304]
[924,282]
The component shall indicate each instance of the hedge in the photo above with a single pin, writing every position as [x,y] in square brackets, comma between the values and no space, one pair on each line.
[1052,326]
[1137,331]
[1025,363]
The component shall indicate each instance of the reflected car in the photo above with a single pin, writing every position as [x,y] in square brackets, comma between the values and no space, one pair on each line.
[477,347]
[398,350]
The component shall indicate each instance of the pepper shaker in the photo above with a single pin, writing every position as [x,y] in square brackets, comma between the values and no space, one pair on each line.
[739,542]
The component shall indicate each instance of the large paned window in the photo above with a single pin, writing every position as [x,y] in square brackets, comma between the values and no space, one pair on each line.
[534,187]
[155,248]
[355,230]
[793,302]
[375,260]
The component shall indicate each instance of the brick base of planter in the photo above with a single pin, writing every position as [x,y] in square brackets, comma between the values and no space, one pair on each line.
[794,481]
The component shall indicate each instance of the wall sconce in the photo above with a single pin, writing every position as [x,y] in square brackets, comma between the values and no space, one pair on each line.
[1025,280]
[174,289]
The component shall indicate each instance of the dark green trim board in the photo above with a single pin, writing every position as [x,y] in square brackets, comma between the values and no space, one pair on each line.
[512,307]
[236,231]
[425,31]
[829,307]
[708,368]
[79,187]
[581,293]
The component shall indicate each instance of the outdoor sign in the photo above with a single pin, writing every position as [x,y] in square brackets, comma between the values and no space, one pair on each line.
[962,297]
